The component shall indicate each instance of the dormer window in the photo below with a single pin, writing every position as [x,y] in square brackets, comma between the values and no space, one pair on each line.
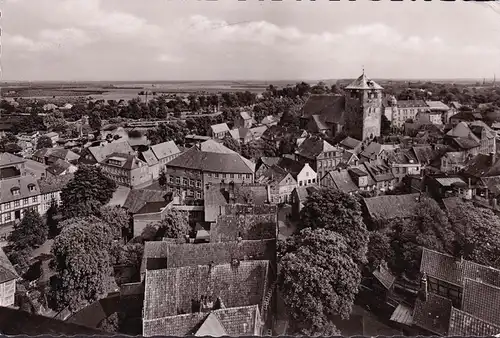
[15,191]
[31,187]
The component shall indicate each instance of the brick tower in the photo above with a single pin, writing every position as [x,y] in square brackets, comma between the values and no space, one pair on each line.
[363,107]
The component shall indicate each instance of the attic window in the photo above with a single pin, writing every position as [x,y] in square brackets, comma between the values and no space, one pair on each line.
[31,187]
[15,191]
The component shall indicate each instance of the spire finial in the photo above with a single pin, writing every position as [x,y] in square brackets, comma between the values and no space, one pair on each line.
[363,67]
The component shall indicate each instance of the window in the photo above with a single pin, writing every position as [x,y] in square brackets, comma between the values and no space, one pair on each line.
[7,206]
[31,187]
[300,183]
[17,203]
[15,192]
[185,181]
[198,195]
[209,174]
[34,199]
[314,180]
[239,175]
[177,180]
[224,175]
[249,175]
[198,184]
[171,180]
[191,183]
[231,175]
[216,175]
[309,181]
[307,174]
[7,217]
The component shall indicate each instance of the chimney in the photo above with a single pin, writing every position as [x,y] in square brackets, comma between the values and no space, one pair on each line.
[494,203]
[493,158]
[424,292]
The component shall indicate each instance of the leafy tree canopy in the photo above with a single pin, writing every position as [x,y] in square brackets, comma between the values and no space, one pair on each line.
[30,233]
[318,278]
[43,142]
[116,218]
[340,212]
[174,225]
[86,193]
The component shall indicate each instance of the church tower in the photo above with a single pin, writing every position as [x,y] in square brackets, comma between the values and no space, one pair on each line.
[363,108]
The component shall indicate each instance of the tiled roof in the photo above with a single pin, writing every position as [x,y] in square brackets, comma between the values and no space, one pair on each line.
[437,105]
[449,181]
[433,315]
[384,276]
[7,159]
[462,130]
[240,133]
[464,116]
[257,132]
[7,271]
[391,206]
[465,143]
[482,166]
[273,175]
[363,83]
[96,312]
[330,107]
[127,161]
[314,146]
[269,161]
[350,143]
[424,154]
[18,322]
[245,115]
[219,128]
[152,207]
[137,198]
[492,183]
[163,255]
[465,324]
[211,327]
[165,149]
[58,167]
[482,300]
[170,291]
[227,162]
[149,157]
[379,172]
[412,104]
[233,320]
[248,224]
[448,269]
[319,122]
[342,180]
[7,186]
[101,152]
[269,119]
[401,156]
[53,184]
[291,166]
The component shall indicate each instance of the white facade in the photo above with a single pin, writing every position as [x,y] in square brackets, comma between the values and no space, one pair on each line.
[307,176]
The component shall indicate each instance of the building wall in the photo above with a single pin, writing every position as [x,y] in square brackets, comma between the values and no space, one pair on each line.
[141,221]
[401,170]
[7,293]
[364,112]
[328,161]
[13,210]
[155,171]
[140,177]
[307,176]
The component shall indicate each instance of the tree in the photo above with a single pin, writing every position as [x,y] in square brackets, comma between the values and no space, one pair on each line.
[174,225]
[477,234]
[116,218]
[379,249]
[86,192]
[175,131]
[82,263]
[55,122]
[429,228]
[95,120]
[162,179]
[53,217]
[340,212]
[318,278]
[30,233]
[44,142]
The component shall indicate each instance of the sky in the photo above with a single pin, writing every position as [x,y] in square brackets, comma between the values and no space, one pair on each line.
[172,40]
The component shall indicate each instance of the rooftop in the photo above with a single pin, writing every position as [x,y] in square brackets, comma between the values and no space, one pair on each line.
[364,83]
[391,206]
[434,314]
[169,292]
[165,149]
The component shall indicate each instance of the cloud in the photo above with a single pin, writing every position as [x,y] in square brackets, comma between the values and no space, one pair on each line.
[165,58]
[47,40]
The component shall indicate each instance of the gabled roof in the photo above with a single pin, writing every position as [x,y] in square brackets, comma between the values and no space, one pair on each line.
[304,192]
[464,116]
[245,115]
[101,152]
[137,198]
[237,321]
[384,276]
[350,143]
[411,104]
[273,175]
[434,314]
[380,172]
[219,128]
[58,167]
[437,105]
[401,156]
[7,271]
[7,159]
[258,131]
[481,166]
[213,160]
[330,107]
[240,133]
[481,300]
[127,161]
[165,255]
[388,207]
[313,146]
[170,291]
[342,180]
[269,119]
[364,83]
[447,268]
[462,130]
[7,186]
[425,154]
[149,157]
[464,324]
[465,143]
[211,327]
